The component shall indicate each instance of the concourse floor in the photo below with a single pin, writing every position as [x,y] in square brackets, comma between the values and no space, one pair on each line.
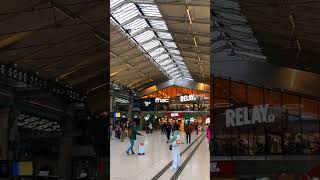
[158,155]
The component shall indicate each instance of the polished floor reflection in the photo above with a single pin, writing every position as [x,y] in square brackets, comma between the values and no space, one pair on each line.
[145,167]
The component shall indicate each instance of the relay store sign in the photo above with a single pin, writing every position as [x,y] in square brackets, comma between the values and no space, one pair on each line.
[187,98]
[240,116]
[159,100]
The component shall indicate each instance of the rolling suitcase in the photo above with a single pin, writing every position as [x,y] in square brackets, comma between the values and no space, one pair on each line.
[141,149]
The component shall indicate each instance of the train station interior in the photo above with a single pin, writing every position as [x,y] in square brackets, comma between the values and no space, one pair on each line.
[160,76]
[53,89]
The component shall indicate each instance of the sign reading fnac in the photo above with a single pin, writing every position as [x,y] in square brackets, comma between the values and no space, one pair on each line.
[159,100]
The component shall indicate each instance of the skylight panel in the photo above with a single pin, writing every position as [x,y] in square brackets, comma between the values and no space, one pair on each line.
[125,12]
[175,73]
[162,57]
[164,35]
[168,67]
[172,70]
[174,51]
[145,36]
[136,25]
[143,25]
[158,24]
[114,3]
[150,10]
[157,52]
[166,62]
[170,44]
[150,45]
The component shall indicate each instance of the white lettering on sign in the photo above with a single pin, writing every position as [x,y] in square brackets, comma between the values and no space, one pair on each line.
[159,100]
[174,114]
[120,100]
[147,103]
[187,98]
[214,167]
[240,116]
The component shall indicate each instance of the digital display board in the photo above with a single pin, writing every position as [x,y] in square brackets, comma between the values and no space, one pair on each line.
[117,114]
[22,168]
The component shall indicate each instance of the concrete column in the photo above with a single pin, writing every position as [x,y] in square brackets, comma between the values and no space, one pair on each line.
[4,129]
[65,158]
[130,109]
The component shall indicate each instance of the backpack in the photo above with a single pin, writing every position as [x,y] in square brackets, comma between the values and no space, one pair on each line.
[129,132]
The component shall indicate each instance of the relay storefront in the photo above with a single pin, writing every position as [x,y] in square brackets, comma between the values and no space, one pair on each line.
[250,121]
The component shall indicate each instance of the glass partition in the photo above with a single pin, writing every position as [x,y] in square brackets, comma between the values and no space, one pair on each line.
[294,127]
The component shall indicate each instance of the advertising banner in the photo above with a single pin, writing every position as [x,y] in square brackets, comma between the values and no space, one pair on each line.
[221,168]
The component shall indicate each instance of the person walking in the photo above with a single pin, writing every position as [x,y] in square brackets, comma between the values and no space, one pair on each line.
[168,131]
[132,134]
[150,128]
[123,132]
[175,142]
[188,130]
[209,134]
[117,131]
[196,126]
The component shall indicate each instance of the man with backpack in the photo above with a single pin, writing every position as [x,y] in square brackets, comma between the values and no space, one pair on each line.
[132,134]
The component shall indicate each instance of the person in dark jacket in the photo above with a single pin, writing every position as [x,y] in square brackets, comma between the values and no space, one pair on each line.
[132,137]
[188,130]
[168,131]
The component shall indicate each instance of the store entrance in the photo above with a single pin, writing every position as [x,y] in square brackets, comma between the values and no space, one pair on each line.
[275,142]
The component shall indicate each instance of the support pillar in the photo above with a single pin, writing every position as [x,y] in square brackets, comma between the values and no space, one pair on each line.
[130,109]
[4,129]
[65,158]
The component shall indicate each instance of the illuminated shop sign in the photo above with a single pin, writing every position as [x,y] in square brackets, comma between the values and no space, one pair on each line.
[240,116]
[222,168]
[159,100]
[122,101]
[146,103]
[175,114]
[187,98]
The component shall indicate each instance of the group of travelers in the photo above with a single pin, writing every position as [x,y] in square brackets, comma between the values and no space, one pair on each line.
[170,129]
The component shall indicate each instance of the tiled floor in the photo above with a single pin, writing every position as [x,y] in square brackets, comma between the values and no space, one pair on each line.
[144,167]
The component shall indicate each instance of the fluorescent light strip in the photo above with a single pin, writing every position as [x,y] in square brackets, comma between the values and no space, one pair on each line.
[189,16]
[195,42]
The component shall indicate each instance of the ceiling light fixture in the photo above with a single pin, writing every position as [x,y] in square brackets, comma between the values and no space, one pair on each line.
[195,42]
[189,16]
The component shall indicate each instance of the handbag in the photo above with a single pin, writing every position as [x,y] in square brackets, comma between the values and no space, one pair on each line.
[178,140]
[170,147]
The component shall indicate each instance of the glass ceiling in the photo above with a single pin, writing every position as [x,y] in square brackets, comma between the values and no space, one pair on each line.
[142,23]
[233,33]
